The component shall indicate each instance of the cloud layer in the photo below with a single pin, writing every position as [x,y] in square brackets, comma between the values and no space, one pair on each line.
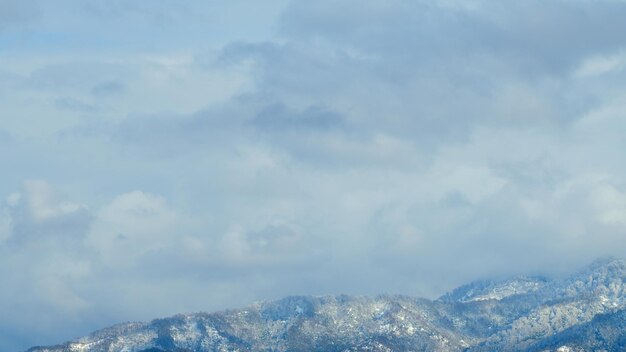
[169,156]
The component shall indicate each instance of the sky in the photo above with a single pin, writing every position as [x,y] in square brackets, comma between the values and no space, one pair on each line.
[171,156]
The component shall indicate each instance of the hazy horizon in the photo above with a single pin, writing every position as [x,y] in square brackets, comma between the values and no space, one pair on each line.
[172,156]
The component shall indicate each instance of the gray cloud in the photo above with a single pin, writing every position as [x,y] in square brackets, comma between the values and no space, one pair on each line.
[414,104]
[76,75]
[279,119]
[106,89]
[538,33]
[75,105]
[16,13]
[162,12]
[5,137]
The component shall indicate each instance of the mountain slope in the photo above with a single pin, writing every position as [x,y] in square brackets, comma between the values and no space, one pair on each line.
[585,310]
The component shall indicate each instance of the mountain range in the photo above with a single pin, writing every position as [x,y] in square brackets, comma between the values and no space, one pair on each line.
[585,311]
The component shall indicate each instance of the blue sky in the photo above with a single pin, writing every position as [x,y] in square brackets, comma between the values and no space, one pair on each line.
[177,156]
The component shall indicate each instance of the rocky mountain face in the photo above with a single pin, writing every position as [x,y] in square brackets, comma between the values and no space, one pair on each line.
[583,312]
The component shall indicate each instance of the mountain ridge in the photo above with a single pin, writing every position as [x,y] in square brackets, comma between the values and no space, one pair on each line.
[523,313]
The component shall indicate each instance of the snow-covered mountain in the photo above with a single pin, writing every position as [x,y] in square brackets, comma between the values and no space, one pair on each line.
[583,312]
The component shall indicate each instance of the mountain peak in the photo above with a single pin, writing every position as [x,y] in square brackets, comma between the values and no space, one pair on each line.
[484,290]
[520,313]
[608,264]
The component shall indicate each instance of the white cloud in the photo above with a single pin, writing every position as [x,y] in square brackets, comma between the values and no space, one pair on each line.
[132,225]
[6,226]
[43,203]
[600,65]
[610,204]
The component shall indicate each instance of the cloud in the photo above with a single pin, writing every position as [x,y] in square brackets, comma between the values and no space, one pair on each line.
[5,137]
[15,12]
[107,89]
[72,76]
[40,235]
[38,214]
[401,147]
[278,118]
[162,12]
[131,226]
[74,105]
[534,32]
[610,202]
[412,103]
